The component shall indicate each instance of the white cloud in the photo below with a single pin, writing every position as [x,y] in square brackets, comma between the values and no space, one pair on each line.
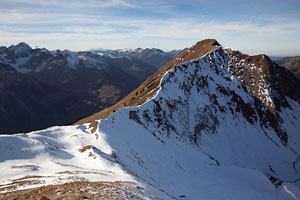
[72,26]
[67,3]
[249,37]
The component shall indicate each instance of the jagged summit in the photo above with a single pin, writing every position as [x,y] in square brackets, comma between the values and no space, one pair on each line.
[22,46]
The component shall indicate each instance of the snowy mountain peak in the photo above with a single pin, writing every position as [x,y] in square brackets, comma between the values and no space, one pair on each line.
[20,48]
[23,45]
[72,58]
[125,50]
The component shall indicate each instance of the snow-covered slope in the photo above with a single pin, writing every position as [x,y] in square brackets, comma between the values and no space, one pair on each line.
[59,155]
[221,126]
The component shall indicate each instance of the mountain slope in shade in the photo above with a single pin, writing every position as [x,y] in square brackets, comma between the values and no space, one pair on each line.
[87,83]
[27,104]
[291,63]
[216,124]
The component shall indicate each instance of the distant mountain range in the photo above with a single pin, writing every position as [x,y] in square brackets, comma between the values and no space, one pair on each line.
[154,57]
[42,88]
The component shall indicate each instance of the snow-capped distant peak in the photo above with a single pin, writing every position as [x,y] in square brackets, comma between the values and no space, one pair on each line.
[139,50]
[23,45]
[72,58]
[91,62]
[44,50]
[20,48]
[125,50]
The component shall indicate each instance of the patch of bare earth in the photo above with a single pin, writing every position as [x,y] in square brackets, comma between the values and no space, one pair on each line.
[82,190]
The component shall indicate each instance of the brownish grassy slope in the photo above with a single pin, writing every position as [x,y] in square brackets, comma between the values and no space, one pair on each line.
[81,190]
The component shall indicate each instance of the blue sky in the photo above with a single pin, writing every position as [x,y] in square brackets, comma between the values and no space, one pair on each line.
[258,26]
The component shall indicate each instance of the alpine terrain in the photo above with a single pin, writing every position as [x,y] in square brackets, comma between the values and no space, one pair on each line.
[213,123]
[67,85]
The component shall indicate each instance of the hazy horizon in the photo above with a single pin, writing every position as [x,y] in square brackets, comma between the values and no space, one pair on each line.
[165,50]
[253,27]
